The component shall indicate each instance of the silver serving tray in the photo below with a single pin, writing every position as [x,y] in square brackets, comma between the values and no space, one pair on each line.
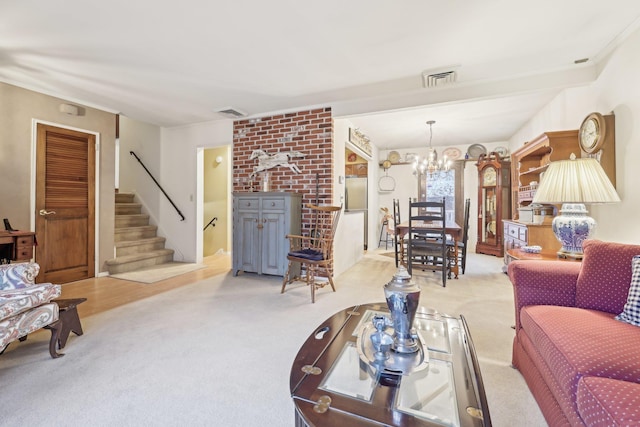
[397,363]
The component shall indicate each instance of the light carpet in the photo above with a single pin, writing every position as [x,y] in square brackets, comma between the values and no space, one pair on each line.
[219,352]
[156,273]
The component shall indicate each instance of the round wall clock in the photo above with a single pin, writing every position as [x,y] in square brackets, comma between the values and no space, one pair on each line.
[593,132]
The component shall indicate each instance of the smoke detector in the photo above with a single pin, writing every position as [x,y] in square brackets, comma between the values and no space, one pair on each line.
[231,112]
[435,78]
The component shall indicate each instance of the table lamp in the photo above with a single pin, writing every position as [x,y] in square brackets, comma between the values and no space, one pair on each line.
[573,183]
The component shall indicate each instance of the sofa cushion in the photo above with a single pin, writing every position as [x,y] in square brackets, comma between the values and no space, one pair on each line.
[603,282]
[15,276]
[575,342]
[16,301]
[606,402]
[631,311]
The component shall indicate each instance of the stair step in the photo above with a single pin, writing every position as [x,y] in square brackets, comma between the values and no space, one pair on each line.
[138,261]
[130,247]
[136,242]
[128,208]
[134,220]
[124,197]
[134,233]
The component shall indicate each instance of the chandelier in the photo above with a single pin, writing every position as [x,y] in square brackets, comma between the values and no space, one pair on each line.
[430,164]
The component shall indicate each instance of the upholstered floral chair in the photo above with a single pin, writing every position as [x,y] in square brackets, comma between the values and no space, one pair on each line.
[26,306]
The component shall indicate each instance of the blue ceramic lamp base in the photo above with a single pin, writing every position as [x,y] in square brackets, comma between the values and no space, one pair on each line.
[572,227]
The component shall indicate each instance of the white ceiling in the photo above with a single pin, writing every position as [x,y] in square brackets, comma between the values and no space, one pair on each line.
[175,63]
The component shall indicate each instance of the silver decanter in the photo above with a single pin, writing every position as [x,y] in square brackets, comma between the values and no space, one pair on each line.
[403,297]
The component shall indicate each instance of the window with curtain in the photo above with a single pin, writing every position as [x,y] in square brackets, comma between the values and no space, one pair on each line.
[432,187]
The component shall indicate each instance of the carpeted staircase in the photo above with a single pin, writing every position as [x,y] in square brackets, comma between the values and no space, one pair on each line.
[137,245]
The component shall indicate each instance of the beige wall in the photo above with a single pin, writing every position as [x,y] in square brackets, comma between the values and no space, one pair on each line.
[215,200]
[18,110]
[144,140]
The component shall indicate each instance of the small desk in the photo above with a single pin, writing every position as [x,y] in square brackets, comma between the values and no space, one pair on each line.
[450,227]
[17,245]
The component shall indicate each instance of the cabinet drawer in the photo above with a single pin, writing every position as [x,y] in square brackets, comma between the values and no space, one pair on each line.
[24,253]
[513,231]
[252,204]
[24,241]
[522,233]
[275,203]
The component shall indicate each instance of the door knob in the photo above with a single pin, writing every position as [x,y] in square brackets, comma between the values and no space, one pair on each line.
[45,212]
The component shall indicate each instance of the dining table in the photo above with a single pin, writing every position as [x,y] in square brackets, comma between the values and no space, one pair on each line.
[451,228]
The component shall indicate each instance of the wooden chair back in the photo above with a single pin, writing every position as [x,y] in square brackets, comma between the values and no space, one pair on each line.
[428,249]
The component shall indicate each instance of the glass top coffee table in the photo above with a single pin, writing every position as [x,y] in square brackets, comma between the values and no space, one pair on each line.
[334,381]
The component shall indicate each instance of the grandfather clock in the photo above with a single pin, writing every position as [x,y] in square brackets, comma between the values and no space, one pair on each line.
[494,202]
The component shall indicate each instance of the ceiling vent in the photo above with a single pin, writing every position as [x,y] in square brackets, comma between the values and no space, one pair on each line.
[438,78]
[233,113]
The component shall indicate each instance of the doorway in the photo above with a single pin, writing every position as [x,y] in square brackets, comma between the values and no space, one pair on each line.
[356,190]
[65,203]
[213,201]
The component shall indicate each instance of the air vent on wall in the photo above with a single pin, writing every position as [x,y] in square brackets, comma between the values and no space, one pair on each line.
[234,113]
[438,78]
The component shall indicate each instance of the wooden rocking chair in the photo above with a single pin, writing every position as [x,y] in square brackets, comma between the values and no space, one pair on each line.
[315,251]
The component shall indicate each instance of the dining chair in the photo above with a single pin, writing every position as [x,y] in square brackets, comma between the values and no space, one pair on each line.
[462,243]
[387,229]
[427,249]
[396,239]
[315,251]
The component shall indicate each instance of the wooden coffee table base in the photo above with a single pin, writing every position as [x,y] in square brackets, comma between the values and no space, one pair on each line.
[69,319]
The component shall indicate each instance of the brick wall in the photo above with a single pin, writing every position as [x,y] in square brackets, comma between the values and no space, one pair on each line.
[309,132]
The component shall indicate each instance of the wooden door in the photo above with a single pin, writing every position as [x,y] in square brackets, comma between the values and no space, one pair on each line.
[65,204]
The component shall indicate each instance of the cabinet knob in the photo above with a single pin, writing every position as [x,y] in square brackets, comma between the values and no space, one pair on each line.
[273,203]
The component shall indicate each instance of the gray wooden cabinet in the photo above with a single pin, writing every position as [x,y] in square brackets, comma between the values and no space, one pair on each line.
[260,223]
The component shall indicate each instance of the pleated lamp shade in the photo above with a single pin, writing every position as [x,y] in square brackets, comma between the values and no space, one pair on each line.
[575,181]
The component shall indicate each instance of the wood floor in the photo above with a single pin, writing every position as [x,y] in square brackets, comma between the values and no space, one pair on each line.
[105,293]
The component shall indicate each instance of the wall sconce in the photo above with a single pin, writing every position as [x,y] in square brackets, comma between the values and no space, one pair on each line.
[218,160]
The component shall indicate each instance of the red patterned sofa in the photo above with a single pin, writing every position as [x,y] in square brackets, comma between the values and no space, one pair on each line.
[26,306]
[580,363]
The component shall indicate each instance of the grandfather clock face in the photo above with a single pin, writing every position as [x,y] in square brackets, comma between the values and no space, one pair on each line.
[489,177]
